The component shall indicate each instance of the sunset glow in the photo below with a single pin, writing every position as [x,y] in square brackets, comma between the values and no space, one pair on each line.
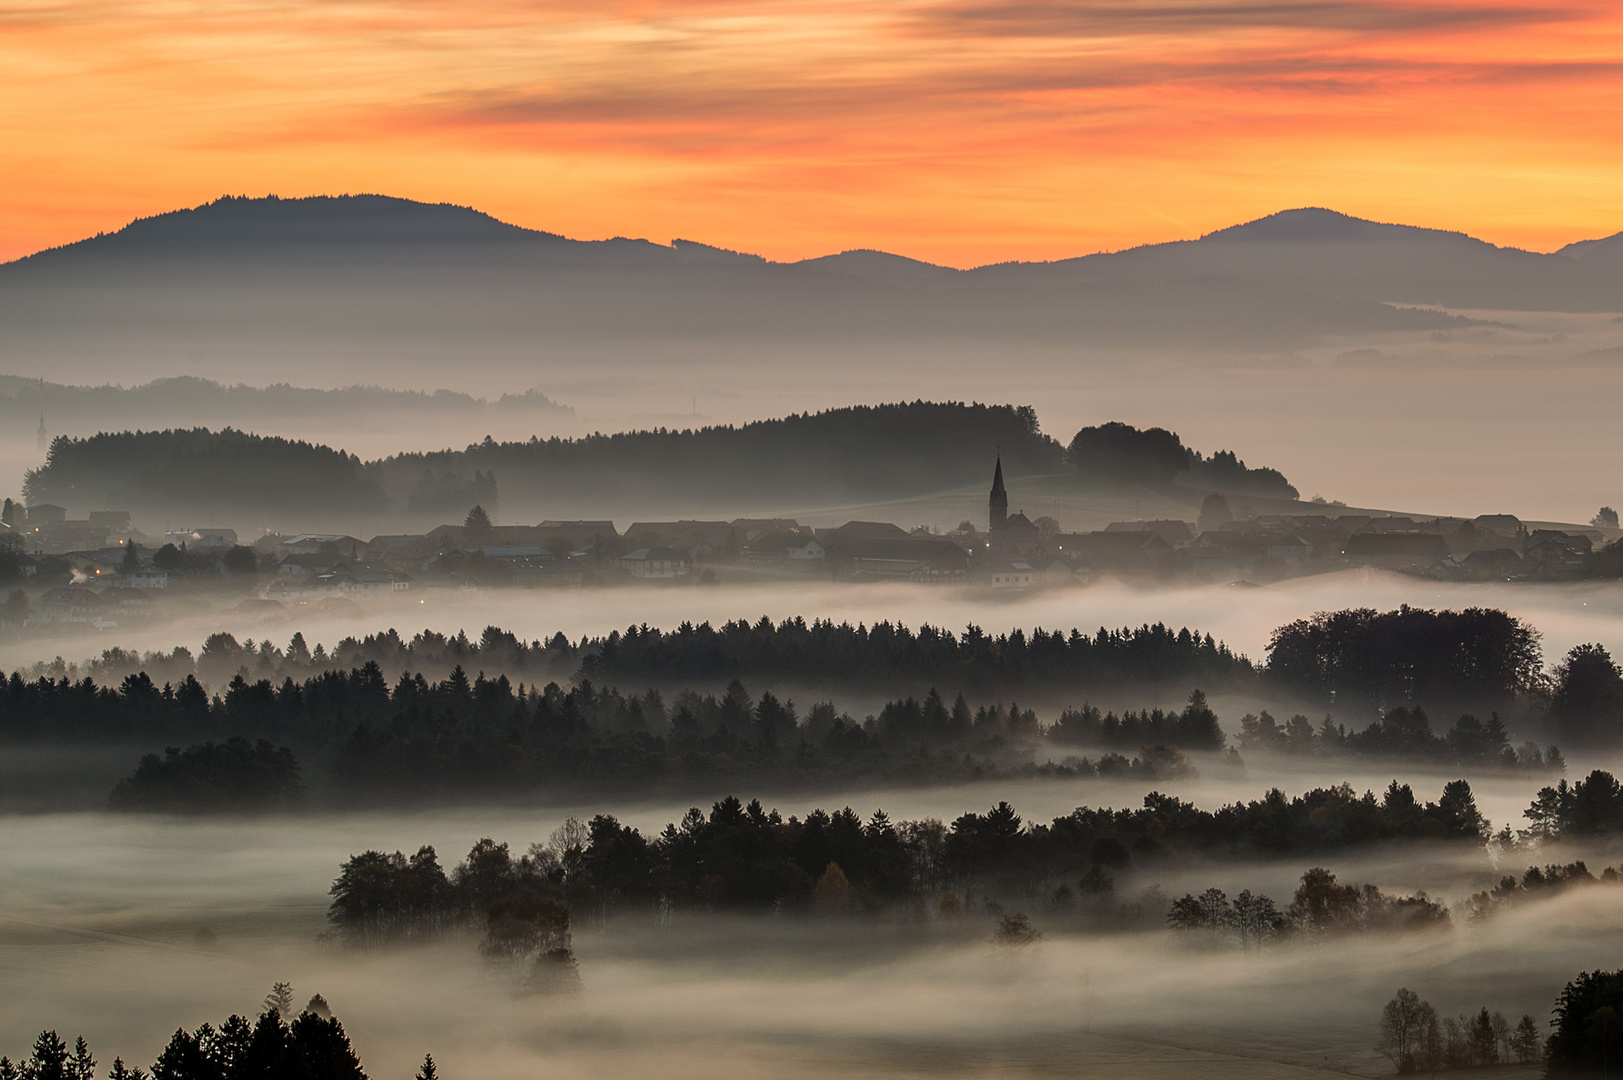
[961,131]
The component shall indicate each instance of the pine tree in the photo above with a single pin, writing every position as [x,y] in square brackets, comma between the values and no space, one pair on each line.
[427,1071]
[280,998]
[49,1061]
[478,526]
[1525,1041]
[81,1066]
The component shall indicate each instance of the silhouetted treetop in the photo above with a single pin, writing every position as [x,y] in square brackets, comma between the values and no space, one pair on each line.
[1120,453]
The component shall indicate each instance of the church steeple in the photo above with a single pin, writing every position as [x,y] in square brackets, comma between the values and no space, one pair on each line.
[998,504]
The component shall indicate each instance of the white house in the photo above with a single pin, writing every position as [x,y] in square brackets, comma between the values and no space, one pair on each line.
[657,562]
[1013,575]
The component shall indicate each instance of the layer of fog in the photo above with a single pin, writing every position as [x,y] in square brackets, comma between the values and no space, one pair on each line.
[1242,617]
[102,916]
[1493,419]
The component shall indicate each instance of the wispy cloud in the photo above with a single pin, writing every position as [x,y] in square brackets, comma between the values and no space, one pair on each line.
[958,129]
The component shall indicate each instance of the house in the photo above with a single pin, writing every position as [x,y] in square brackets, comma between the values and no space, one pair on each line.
[303,565]
[1396,550]
[328,545]
[700,539]
[371,579]
[1291,549]
[656,562]
[1013,575]
[838,540]
[1575,541]
[582,535]
[900,558]
[1497,564]
[1016,534]
[1060,572]
[342,579]
[260,612]
[70,604]
[1327,540]
[750,528]
[1119,552]
[1555,558]
[402,552]
[46,514]
[116,522]
[144,577]
[796,547]
[949,564]
[126,603]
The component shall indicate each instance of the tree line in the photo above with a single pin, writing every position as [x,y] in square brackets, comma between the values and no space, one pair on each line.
[420,738]
[1357,661]
[1539,882]
[744,856]
[1416,1039]
[313,1046]
[182,470]
[1321,907]
[1586,1037]
[1400,733]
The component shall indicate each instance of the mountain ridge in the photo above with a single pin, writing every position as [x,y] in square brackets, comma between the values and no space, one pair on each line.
[262,280]
[242,218]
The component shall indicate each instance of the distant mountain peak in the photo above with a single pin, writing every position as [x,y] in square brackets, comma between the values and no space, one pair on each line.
[1316,224]
[238,222]
[868,262]
[1608,249]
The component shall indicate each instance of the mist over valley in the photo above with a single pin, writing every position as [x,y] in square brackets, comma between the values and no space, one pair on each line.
[591,657]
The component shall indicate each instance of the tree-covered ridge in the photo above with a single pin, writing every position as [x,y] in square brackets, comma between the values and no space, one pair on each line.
[745,856]
[892,449]
[863,451]
[821,651]
[182,470]
[885,656]
[866,450]
[1356,659]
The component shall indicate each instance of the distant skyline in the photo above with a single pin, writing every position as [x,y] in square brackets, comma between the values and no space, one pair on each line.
[957,131]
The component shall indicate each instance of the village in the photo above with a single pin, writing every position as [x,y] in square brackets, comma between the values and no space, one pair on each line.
[100,572]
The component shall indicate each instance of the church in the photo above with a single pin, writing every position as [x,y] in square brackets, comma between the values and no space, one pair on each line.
[1005,534]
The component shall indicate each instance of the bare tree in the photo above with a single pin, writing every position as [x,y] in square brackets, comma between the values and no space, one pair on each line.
[1400,1029]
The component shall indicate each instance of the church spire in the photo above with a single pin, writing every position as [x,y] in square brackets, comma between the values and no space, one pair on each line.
[998,504]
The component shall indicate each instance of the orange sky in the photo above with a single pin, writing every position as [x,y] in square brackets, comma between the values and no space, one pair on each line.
[961,131]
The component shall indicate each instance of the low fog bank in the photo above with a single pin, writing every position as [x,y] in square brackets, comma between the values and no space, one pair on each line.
[102,939]
[1243,618]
